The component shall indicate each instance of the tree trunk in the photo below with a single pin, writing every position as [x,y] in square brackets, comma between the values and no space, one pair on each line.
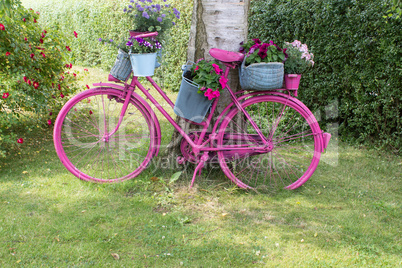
[215,24]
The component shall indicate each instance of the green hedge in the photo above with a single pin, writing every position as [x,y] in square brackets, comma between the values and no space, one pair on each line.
[105,19]
[358,62]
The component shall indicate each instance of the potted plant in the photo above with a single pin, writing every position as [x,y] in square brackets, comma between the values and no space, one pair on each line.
[262,67]
[122,66]
[148,16]
[298,62]
[201,83]
[142,53]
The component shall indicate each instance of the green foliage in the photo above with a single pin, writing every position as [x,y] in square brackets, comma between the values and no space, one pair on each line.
[33,80]
[208,75]
[358,62]
[93,20]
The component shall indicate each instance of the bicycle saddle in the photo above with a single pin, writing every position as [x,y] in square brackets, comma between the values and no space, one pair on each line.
[226,56]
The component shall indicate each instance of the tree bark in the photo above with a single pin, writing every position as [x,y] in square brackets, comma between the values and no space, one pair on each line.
[215,24]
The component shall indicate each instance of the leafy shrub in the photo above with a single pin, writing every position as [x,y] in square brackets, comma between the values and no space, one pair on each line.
[93,20]
[33,77]
[357,61]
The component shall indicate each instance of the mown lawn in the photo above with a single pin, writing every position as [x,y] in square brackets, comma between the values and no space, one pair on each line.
[347,215]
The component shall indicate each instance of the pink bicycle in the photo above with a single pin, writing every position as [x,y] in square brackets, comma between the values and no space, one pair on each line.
[261,140]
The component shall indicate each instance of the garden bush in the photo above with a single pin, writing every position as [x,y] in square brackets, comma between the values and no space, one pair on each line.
[357,62]
[93,20]
[34,77]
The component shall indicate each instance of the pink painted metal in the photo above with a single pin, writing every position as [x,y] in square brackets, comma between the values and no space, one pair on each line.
[256,149]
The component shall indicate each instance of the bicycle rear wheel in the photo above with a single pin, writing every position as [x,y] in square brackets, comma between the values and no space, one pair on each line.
[294,144]
[84,146]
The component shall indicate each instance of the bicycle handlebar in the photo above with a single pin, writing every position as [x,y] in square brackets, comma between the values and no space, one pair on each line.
[144,35]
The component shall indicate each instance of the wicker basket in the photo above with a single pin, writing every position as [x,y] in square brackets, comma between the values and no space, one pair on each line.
[261,76]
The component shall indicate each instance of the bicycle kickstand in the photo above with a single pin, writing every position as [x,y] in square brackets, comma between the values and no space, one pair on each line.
[199,167]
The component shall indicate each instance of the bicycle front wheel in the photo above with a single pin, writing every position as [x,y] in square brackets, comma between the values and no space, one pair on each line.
[86,146]
[293,137]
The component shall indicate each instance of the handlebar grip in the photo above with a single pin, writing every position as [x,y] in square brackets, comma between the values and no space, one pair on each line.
[145,35]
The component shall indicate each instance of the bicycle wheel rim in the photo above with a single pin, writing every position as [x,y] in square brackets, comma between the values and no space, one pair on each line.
[296,144]
[80,130]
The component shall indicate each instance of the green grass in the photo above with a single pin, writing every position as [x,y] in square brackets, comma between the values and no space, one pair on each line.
[347,215]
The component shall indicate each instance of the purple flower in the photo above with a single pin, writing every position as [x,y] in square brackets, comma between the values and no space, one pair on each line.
[147,44]
[125,10]
[158,45]
[100,39]
[154,10]
[142,1]
[111,40]
[145,15]
[129,43]
[163,15]
[140,8]
[130,6]
[140,40]
[159,19]
[173,23]
[149,1]
[158,7]
[132,1]
[167,5]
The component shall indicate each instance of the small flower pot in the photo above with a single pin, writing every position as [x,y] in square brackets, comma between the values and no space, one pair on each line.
[292,81]
[190,104]
[122,67]
[143,64]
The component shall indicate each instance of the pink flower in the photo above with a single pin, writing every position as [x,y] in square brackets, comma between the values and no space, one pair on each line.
[87,86]
[24,20]
[26,39]
[74,74]
[5,95]
[217,69]
[85,70]
[35,85]
[43,35]
[8,53]
[210,94]
[25,79]
[41,41]
[196,68]
[32,56]
[68,48]
[223,81]
[49,122]
[75,34]
[20,140]
[43,54]
[61,95]
[2,28]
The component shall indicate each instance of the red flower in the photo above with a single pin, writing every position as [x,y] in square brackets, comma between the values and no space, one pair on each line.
[43,35]
[62,78]
[32,56]
[41,41]
[68,48]
[85,70]
[29,82]
[5,95]
[2,28]
[49,122]
[71,66]
[35,85]
[87,86]
[61,95]
[74,74]
[35,21]
[20,140]
[50,114]
[43,54]
[25,79]
[90,112]
[59,87]
[24,20]
[75,34]
[45,31]
[8,53]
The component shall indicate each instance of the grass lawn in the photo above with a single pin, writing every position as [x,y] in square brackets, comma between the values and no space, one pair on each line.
[347,215]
